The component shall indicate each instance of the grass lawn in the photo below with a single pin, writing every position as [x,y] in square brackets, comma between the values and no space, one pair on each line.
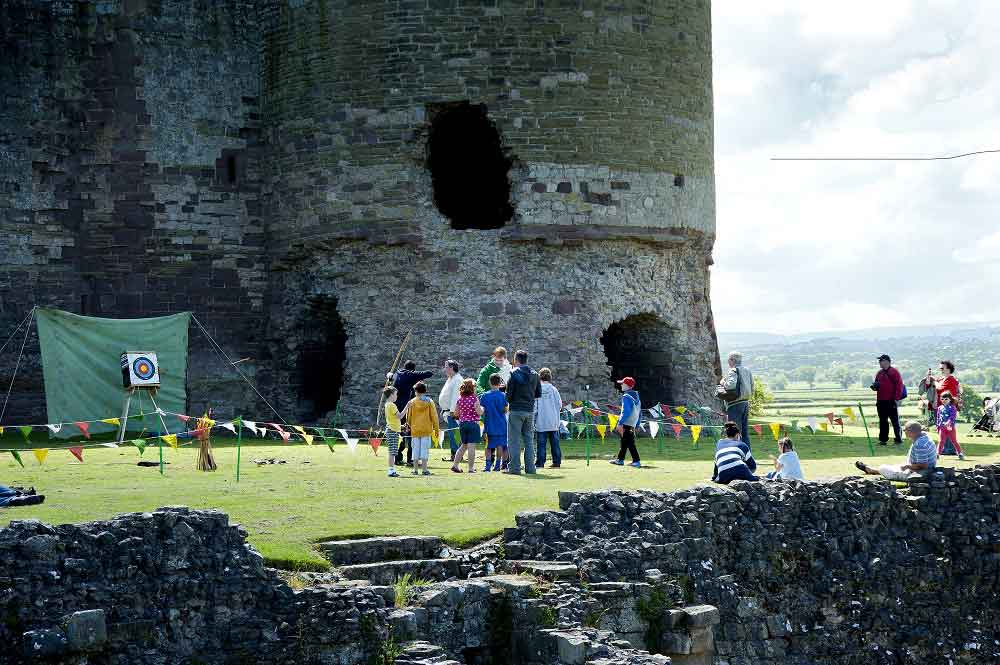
[321,495]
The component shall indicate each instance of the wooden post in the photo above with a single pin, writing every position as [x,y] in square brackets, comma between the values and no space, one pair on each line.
[239,441]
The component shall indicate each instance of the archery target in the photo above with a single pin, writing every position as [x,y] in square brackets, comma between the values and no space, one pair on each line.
[139,368]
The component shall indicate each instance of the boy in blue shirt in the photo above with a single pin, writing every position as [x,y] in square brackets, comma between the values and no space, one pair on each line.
[628,422]
[494,404]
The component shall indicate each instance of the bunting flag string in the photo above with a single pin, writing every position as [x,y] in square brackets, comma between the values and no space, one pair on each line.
[41,454]
[111,421]
[55,427]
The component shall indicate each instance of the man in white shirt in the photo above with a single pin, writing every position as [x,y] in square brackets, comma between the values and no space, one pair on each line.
[447,401]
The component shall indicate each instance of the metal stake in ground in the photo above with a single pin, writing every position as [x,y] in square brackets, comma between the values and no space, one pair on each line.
[867,433]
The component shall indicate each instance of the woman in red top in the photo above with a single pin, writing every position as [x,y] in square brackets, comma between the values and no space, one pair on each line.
[947,382]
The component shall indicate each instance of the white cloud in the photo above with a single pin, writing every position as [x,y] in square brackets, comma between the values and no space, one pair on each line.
[828,245]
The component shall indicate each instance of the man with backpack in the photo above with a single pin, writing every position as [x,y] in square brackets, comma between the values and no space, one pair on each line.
[889,390]
[735,390]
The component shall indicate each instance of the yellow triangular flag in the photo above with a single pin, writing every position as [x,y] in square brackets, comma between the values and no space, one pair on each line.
[308,438]
[823,426]
[111,421]
[680,409]
[612,420]
[1,430]
[849,412]
[170,439]
[695,432]
[775,430]
[300,429]
[41,454]
[680,420]
[602,430]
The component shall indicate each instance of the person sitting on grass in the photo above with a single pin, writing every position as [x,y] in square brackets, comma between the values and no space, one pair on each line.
[921,459]
[733,459]
[787,465]
[15,496]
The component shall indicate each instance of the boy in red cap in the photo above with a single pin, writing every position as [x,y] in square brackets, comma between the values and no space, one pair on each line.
[629,422]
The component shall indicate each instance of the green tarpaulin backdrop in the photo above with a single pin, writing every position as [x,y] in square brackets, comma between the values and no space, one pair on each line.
[82,369]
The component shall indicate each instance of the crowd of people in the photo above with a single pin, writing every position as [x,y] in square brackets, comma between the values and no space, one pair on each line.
[520,410]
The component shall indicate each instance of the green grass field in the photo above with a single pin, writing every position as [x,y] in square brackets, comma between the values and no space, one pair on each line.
[320,495]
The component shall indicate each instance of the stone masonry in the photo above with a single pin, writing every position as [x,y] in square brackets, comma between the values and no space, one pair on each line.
[852,571]
[264,164]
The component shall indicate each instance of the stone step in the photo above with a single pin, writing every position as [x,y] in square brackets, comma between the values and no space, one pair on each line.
[549,570]
[383,548]
[388,572]
[423,653]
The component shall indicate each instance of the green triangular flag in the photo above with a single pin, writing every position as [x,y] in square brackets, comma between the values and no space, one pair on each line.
[237,422]
[140,417]
[26,433]
[17,456]
[140,444]
[794,426]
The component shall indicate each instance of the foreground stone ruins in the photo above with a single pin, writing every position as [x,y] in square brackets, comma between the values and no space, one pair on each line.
[851,571]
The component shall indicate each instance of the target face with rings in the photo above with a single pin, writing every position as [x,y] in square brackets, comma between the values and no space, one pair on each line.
[143,368]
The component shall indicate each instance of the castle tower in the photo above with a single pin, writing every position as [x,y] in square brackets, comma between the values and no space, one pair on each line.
[315,178]
[529,174]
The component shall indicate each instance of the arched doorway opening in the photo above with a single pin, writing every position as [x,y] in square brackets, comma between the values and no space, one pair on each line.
[470,170]
[641,346]
[321,358]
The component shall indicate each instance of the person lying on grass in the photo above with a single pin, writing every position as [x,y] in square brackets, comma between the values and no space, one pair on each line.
[16,496]
[921,459]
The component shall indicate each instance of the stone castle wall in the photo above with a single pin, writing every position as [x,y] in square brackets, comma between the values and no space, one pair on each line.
[263,164]
[853,571]
[606,112]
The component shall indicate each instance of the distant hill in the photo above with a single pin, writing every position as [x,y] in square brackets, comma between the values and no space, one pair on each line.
[913,348]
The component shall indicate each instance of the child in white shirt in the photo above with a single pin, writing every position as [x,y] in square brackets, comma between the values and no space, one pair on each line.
[787,465]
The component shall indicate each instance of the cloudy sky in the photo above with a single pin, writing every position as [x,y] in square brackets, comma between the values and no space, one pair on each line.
[809,246]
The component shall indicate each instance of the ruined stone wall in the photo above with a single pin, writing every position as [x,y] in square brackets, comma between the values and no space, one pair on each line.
[606,112]
[852,571]
[118,197]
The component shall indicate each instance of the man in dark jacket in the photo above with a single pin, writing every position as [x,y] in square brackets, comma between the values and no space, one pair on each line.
[523,389]
[403,382]
[888,387]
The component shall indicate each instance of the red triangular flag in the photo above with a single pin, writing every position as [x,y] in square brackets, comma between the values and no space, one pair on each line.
[284,435]
[77,453]
[829,417]
[677,429]
[758,429]
[85,428]
[595,412]
[839,421]
[665,409]
[181,417]
[375,443]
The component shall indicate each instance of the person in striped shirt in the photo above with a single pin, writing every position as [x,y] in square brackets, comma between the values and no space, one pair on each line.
[921,458]
[733,459]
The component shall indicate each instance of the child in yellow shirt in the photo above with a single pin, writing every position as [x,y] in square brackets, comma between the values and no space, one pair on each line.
[393,427]
[421,416]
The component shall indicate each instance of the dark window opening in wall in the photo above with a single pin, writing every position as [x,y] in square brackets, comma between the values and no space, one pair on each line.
[678,180]
[231,170]
[640,346]
[321,358]
[470,170]
[83,304]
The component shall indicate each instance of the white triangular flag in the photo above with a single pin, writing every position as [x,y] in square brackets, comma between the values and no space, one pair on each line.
[654,429]
[343,433]
[352,444]
[55,427]
[564,423]
[229,426]
[250,425]
[110,444]
[576,410]
[440,439]
[813,425]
